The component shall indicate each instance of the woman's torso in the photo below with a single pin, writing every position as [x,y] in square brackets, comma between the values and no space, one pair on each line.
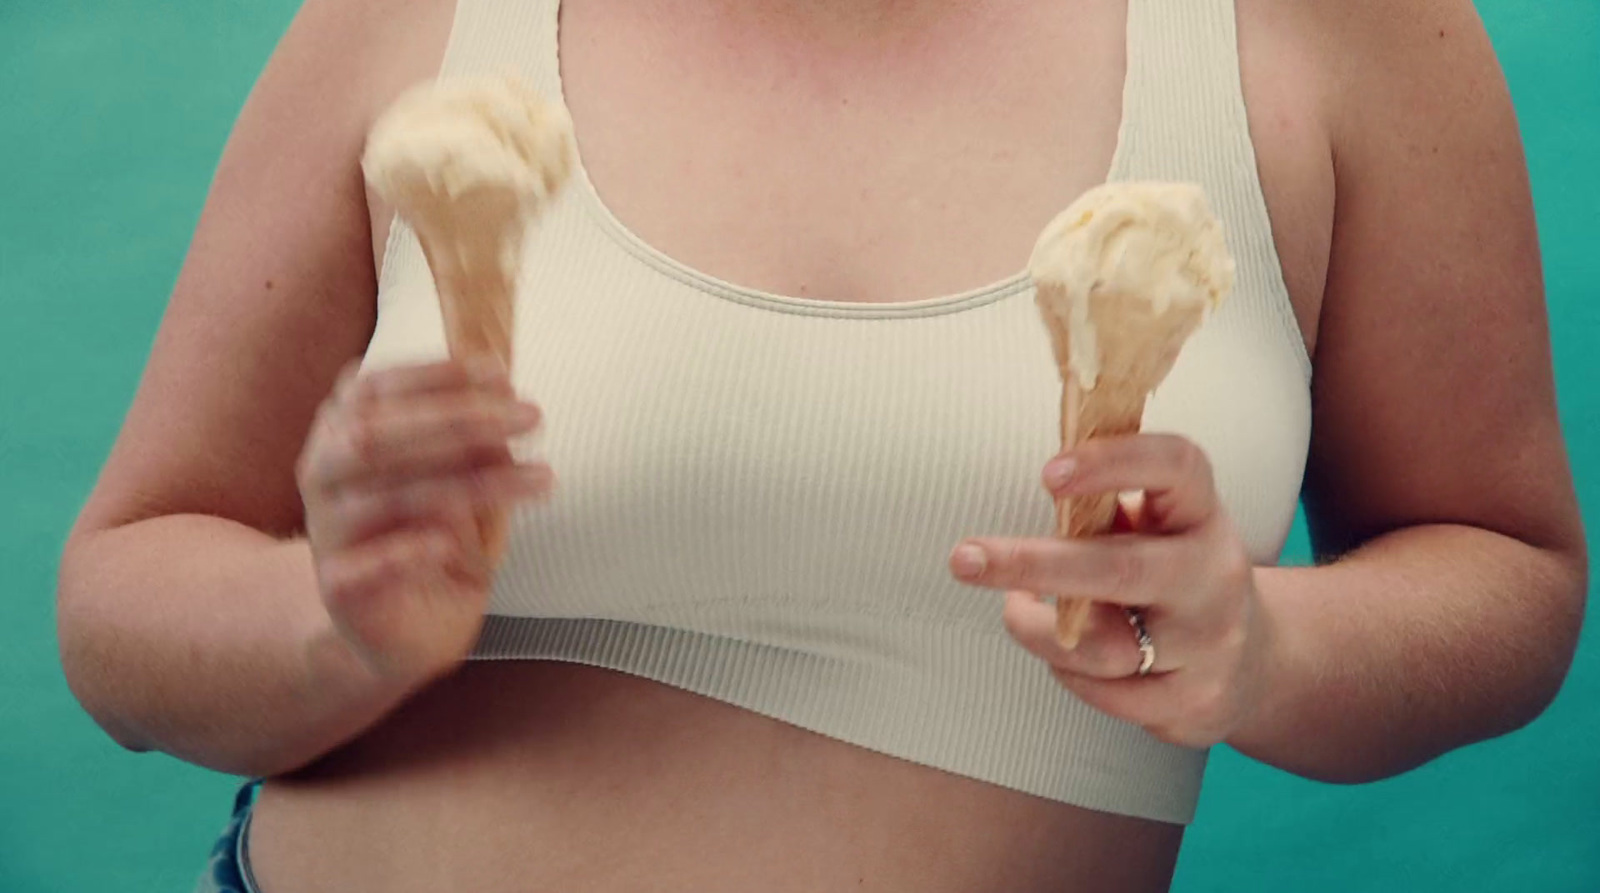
[767,148]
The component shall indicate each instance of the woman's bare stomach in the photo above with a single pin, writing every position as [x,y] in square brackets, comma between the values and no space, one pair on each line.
[533,776]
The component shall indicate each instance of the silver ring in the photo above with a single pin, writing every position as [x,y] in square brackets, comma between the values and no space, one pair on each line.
[1147,645]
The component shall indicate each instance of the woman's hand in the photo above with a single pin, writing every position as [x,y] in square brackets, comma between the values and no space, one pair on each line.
[1177,557]
[393,474]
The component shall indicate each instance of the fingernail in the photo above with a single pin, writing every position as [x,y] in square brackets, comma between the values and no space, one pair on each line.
[524,413]
[535,478]
[1058,471]
[968,560]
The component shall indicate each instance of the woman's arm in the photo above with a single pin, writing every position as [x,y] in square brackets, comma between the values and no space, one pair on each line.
[189,616]
[1447,610]
[206,639]
[1439,495]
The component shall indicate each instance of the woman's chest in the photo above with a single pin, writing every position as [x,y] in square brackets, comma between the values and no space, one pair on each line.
[717,452]
[853,158]
[843,158]
[724,436]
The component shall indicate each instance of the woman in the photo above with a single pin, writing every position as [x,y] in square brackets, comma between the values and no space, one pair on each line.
[757,638]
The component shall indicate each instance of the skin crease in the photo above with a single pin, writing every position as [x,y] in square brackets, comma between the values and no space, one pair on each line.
[1450,617]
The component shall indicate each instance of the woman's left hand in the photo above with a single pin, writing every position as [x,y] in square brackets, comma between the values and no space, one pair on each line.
[1177,557]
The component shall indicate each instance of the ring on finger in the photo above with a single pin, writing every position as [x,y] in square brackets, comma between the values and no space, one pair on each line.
[1141,634]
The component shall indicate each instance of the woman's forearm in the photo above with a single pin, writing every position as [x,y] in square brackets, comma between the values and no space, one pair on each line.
[1424,640]
[207,639]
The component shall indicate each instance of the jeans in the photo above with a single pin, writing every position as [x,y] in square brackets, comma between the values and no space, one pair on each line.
[228,870]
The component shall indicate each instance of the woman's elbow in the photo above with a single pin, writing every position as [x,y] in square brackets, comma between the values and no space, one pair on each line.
[1566,592]
[82,647]
[1557,595]
[90,687]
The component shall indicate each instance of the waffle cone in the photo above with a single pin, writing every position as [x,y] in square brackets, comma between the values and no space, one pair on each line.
[470,164]
[1137,345]
[475,277]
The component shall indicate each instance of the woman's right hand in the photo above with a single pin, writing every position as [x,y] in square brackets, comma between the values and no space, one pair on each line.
[396,469]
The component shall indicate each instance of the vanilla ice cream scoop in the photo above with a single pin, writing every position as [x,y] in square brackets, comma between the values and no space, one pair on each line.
[469,164]
[1122,278]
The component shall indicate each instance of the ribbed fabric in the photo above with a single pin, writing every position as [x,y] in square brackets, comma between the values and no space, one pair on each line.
[758,492]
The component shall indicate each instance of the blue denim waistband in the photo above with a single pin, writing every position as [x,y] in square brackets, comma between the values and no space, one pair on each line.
[228,869]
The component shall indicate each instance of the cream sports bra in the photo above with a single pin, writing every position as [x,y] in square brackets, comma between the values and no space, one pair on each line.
[759,492]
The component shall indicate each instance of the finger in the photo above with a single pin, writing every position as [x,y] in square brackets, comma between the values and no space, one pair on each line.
[461,520]
[426,436]
[1173,472]
[364,514]
[378,593]
[476,373]
[370,516]
[1108,649]
[357,576]
[1126,569]
[344,387]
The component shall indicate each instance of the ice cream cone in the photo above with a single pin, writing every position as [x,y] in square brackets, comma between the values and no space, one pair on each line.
[469,165]
[1122,278]
[475,275]
[476,285]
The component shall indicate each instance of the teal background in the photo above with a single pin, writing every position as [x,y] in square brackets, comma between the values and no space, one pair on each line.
[111,119]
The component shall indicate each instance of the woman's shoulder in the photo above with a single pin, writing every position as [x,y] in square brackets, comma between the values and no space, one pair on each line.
[1371,53]
[355,56]
[339,66]
[1342,93]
